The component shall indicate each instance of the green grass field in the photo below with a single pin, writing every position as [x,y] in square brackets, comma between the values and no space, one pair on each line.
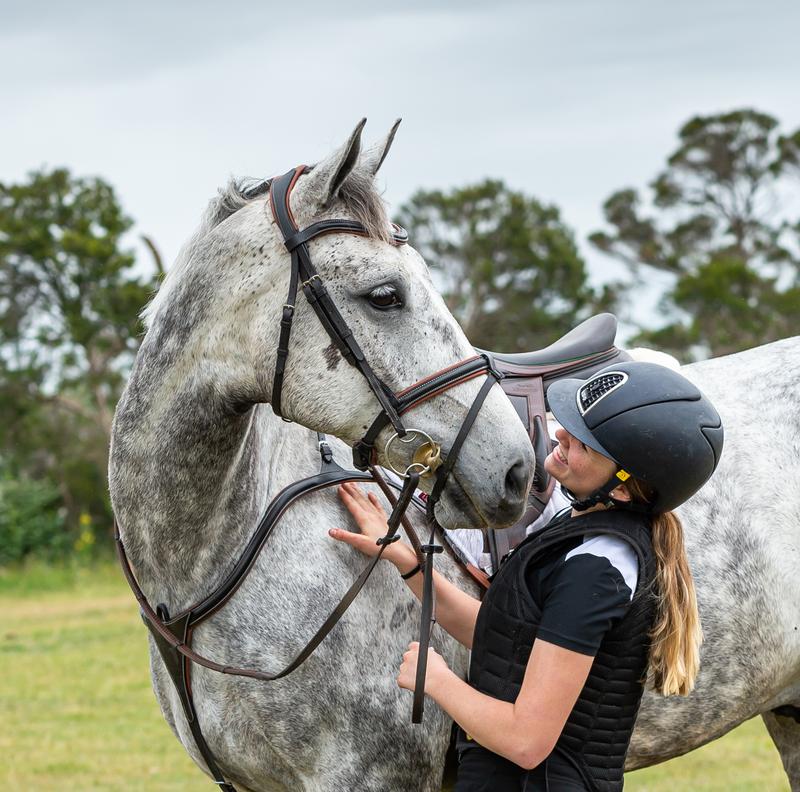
[77,711]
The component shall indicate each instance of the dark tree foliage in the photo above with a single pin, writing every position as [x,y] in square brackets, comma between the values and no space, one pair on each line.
[69,328]
[720,225]
[506,265]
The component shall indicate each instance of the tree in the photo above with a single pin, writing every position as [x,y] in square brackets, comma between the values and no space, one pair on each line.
[69,328]
[721,231]
[506,265]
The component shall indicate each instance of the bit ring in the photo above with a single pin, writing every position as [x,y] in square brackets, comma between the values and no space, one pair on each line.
[433,454]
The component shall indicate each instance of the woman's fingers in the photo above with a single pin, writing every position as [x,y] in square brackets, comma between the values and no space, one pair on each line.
[364,509]
[363,544]
[352,496]
[342,536]
[406,676]
[354,505]
[373,499]
[359,495]
[356,495]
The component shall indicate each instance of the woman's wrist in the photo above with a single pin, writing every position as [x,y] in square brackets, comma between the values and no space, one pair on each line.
[405,561]
[415,570]
[438,682]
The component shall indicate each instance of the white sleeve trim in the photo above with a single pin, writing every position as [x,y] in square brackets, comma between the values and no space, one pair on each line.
[620,555]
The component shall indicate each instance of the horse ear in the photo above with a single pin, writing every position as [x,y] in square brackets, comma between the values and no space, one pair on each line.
[373,157]
[320,186]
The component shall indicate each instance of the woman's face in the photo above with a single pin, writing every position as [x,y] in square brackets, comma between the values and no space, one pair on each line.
[579,468]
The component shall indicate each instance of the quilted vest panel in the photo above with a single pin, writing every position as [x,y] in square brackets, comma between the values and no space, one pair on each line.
[598,731]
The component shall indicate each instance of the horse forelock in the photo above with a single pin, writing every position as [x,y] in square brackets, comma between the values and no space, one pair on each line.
[357,197]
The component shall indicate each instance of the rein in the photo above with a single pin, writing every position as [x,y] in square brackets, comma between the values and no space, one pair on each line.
[173,634]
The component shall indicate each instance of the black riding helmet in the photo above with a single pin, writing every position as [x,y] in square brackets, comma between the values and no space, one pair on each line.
[650,420]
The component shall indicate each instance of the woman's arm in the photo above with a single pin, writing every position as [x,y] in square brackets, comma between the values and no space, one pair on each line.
[456,611]
[524,732]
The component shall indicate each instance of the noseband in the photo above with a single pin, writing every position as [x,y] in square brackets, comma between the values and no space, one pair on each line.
[173,634]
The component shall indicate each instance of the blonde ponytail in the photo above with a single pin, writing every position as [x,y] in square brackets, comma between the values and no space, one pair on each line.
[676,634]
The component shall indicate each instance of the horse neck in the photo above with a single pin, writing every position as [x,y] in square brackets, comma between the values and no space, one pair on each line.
[189,479]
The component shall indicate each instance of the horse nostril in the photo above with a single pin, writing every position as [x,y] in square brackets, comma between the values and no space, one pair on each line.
[516,481]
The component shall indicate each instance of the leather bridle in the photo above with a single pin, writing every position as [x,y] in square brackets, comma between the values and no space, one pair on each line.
[303,272]
[173,633]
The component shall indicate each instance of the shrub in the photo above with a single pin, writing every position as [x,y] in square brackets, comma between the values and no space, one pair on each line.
[32,522]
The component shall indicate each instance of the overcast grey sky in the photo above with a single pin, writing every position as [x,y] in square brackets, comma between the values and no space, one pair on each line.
[567,100]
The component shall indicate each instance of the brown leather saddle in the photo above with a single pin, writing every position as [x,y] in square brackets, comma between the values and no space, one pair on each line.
[580,353]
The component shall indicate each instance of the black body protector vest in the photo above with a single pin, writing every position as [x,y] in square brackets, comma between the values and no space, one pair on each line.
[598,731]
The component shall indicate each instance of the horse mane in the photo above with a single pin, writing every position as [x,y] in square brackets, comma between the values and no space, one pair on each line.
[357,196]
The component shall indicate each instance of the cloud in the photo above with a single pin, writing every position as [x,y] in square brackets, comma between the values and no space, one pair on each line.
[566,100]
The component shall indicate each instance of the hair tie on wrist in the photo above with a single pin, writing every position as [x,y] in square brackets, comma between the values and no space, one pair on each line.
[412,572]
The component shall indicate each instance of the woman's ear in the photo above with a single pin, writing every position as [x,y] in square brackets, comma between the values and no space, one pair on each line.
[621,493]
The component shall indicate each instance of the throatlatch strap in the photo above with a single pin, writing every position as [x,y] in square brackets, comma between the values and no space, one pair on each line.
[283,341]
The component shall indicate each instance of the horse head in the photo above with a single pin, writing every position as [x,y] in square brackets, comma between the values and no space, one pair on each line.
[236,272]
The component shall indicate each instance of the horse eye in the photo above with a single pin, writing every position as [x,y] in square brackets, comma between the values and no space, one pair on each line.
[384,297]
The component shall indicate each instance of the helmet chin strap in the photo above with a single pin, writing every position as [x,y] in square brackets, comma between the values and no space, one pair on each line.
[603,495]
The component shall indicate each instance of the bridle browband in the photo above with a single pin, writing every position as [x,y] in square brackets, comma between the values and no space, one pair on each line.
[173,634]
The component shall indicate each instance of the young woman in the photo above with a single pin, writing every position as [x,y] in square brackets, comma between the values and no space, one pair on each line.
[562,640]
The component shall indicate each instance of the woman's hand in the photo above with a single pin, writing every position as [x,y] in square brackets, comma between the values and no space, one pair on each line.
[407,675]
[371,520]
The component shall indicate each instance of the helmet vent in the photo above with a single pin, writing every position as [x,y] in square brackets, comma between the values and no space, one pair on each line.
[598,388]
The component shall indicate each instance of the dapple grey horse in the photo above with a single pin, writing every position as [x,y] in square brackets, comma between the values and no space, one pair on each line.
[196,456]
